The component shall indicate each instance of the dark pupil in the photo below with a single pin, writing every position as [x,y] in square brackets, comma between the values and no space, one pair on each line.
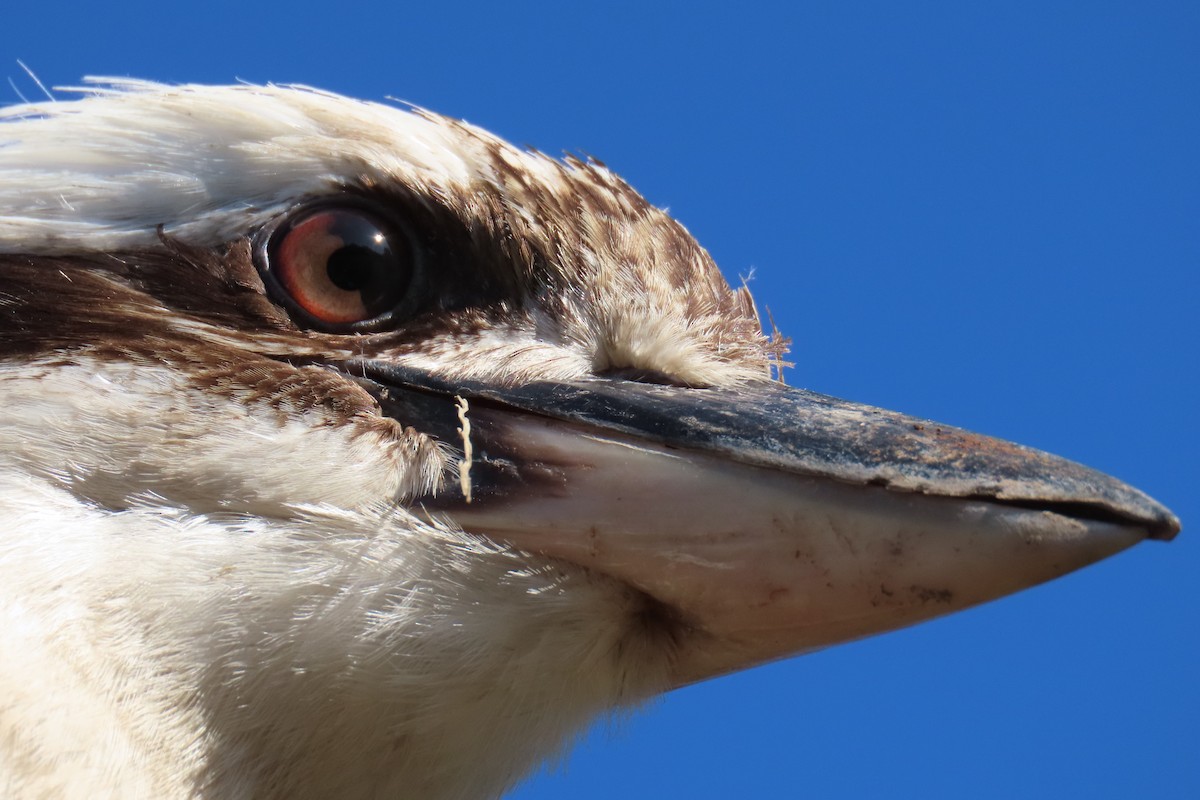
[351,267]
[366,263]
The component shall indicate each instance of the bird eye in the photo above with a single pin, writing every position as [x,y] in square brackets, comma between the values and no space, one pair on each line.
[342,267]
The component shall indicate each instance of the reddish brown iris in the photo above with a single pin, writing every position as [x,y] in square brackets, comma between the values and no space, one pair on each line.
[341,266]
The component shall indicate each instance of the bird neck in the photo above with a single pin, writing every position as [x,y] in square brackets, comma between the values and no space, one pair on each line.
[328,655]
[160,648]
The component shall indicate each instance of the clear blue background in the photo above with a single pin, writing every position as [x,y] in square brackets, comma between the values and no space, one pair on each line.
[984,213]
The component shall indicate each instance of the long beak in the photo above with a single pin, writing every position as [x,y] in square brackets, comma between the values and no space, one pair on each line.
[771,521]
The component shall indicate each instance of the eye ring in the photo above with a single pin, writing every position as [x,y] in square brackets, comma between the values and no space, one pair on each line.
[342,266]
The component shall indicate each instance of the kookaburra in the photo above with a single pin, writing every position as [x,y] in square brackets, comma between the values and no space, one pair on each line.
[347,451]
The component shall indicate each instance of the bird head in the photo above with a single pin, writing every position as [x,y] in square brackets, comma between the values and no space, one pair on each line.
[350,450]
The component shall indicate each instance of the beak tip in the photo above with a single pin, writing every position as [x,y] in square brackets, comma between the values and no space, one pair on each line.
[1165,527]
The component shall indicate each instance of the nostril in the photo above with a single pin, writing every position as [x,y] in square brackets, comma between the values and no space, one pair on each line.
[652,376]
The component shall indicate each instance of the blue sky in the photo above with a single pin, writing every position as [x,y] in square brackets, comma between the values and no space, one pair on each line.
[983,213]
